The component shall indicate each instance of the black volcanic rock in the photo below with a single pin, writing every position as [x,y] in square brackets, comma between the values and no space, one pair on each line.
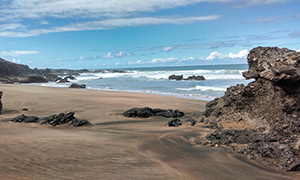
[176,77]
[62,80]
[74,85]
[54,120]
[33,79]
[180,78]
[270,105]
[195,78]
[12,69]
[147,112]
[174,122]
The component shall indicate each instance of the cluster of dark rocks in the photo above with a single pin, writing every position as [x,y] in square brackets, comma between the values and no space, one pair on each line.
[176,122]
[18,73]
[172,115]
[54,120]
[147,112]
[270,105]
[180,78]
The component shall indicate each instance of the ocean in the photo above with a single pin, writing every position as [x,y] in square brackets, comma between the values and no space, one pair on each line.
[154,80]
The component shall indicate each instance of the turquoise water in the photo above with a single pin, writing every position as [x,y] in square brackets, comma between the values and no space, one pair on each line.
[154,80]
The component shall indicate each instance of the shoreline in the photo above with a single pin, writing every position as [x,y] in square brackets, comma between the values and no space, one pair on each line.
[169,94]
[116,147]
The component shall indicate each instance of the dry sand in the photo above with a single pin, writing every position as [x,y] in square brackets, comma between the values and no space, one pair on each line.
[115,147]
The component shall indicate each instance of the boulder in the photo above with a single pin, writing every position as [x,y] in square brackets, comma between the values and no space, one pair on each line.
[62,80]
[176,77]
[54,120]
[270,105]
[195,78]
[25,119]
[74,85]
[147,112]
[174,122]
[192,121]
[70,78]
[33,79]
[51,77]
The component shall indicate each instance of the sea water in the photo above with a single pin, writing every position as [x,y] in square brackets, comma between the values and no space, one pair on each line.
[154,80]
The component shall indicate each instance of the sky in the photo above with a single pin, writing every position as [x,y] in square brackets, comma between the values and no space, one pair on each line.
[98,34]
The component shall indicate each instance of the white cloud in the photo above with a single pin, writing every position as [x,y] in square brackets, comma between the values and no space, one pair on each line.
[17,53]
[160,60]
[117,63]
[38,9]
[16,10]
[241,54]
[153,61]
[110,24]
[298,50]
[168,48]
[217,55]
[264,2]
[214,55]
[119,54]
[11,26]
[108,55]
[264,20]
[139,62]
[187,59]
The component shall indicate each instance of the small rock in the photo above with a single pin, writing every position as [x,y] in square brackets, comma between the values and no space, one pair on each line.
[176,77]
[74,85]
[174,122]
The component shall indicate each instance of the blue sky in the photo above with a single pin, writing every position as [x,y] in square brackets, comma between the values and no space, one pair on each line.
[137,33]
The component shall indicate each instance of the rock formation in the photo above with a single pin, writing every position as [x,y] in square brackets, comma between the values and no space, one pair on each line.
[33,79]
[11,72]
[74,85]
[176,77]
[54,120]
[174,122]
[270,105]
[195,78]
[180,78]
[147,112]
[12,69]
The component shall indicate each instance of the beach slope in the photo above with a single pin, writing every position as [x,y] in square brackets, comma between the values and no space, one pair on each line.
[116,147]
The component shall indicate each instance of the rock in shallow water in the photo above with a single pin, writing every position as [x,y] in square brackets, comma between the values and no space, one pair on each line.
[270,105]
[147,112]
[54,120]
[74,85]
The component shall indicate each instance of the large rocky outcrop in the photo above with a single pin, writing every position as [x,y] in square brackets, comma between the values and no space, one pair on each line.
[270,105]
[11,72]
[12,69]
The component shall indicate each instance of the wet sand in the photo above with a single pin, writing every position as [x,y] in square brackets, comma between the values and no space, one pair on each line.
[115,147]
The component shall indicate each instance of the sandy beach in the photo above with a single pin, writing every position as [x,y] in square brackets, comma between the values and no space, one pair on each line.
[116,147]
